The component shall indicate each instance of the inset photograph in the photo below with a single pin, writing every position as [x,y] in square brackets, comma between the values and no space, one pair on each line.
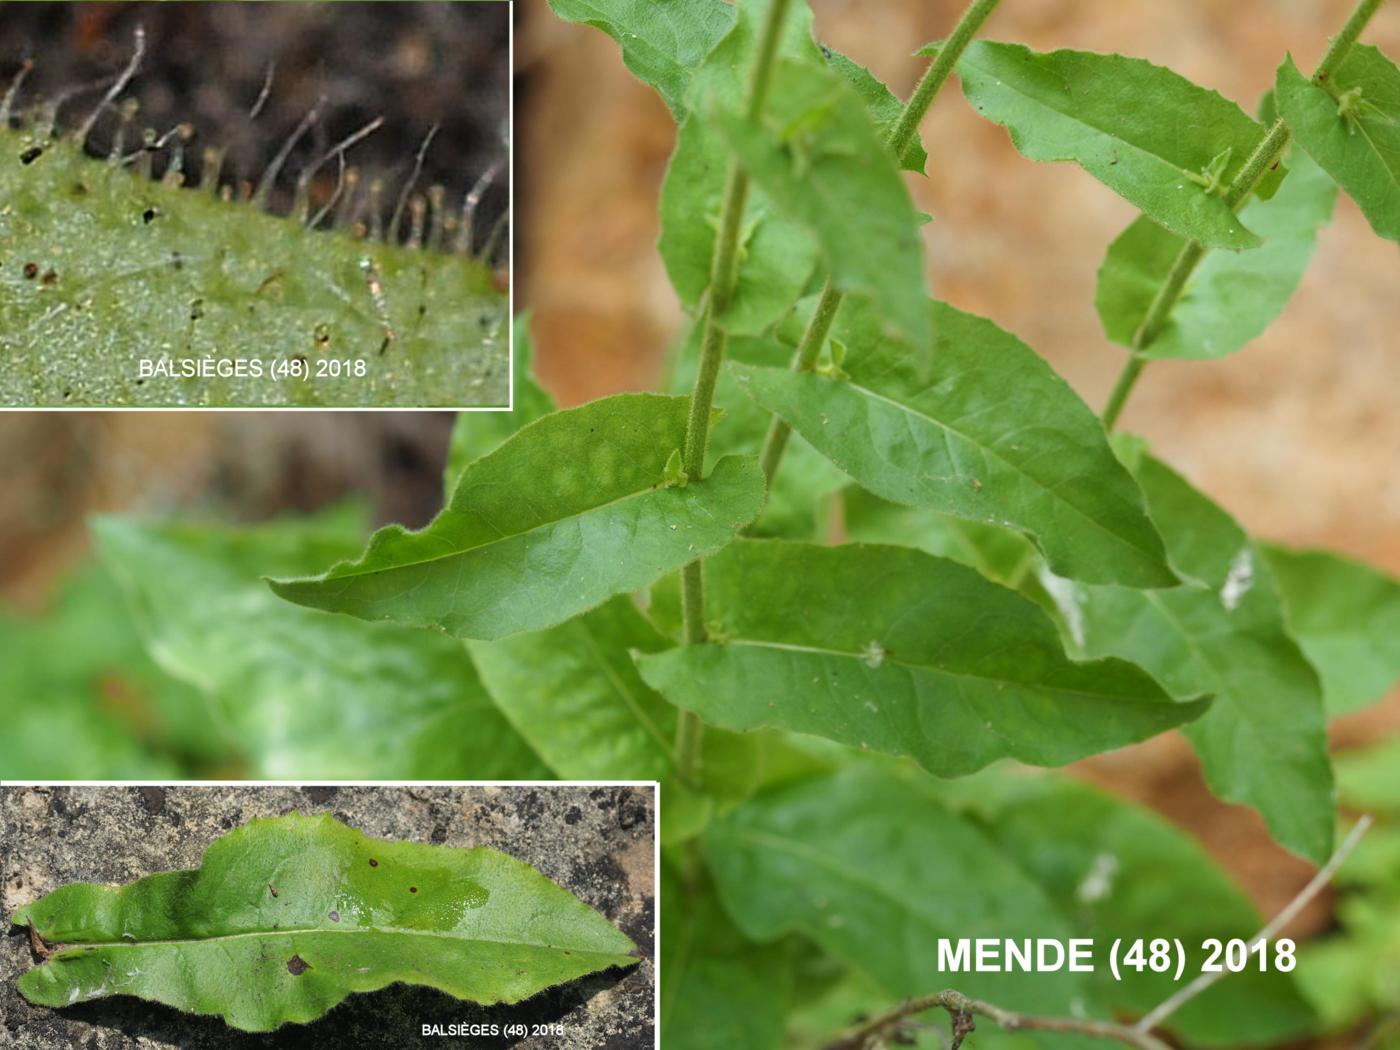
[234,205]
[292,916]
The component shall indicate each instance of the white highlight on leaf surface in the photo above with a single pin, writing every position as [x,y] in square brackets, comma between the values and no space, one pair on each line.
[1067,600]
[1098,881]
[1239,579]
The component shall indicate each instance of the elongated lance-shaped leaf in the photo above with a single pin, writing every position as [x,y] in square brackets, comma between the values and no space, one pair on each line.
[1145,132]
[873,867]
[1351,127]
[662,43]
[476,433]
[286,917]
[900,652]
[1263,743]
[1232,297]
[300,692]
[975,424]
[823,162]
[1115,869]
[571,510]
[1346,617]
[103,269]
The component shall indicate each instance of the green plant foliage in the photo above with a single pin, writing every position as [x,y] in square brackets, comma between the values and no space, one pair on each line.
[800,497]
[301,692]
[566,513]
[1263,742]
[973,424]
[722,991]
[1346,617]
[871,866]
[1114,870]
[102,268]
[778,253]
[1368,780]
[883,107]
[818,147]
[1351,126]
[899,652]
[1121,120]
[476,433]
[662,43]
[1232,297]
[286,917]
[101,706]
[573,692]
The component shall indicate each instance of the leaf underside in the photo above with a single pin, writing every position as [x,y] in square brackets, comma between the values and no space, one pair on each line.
[100,268]
[286,917]
[567,512]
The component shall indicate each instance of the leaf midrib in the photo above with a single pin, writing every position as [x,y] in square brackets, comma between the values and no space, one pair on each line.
[1167,701]
[505,537]
[346,931]
[1078,120]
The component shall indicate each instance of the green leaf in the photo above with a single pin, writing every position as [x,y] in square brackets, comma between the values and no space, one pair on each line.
[82,699]
[823,162]
[1232,297]
[1368,779]
[871,866]
[1346,617]
[883,106]
[476,433]
[202,278]
[1121,120]
[973,424]
[286,917]
[778,254]
[566,513]
[1116,870]
[299,691]
[1263,743]
[719,991]
[1351,127]
[899,652]
[662,43]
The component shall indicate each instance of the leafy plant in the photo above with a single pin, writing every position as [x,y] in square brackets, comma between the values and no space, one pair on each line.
[880,539]
[104,269]
[285,917]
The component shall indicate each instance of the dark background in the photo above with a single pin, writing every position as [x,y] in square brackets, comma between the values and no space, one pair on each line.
[415,64]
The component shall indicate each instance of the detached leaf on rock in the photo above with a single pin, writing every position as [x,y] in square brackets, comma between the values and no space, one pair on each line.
[286,917]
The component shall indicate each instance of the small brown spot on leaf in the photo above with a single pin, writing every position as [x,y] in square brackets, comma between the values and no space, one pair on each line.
[296,966]
[31,271]
[335,916]
[272,889]
[413,889]
[32,154]
[373,863]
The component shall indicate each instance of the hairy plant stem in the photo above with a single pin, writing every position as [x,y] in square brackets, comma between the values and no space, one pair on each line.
[714,341]
[775,441]
[1265,156]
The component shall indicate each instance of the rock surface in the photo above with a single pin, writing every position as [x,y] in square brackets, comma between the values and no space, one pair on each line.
[595,841]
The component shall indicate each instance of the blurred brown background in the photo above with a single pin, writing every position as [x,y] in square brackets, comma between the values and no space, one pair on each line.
[1296,435]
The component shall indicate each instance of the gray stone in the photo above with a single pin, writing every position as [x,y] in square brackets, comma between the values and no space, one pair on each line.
[595,841]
